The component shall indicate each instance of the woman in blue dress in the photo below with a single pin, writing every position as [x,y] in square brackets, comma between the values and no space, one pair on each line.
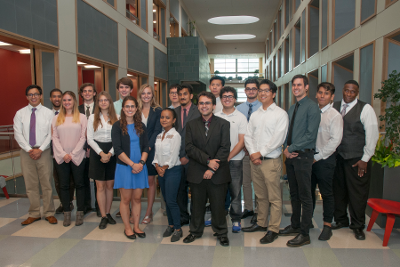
[129,138]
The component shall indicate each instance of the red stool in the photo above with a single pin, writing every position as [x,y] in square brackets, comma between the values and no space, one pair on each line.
[6,193]
[390,208]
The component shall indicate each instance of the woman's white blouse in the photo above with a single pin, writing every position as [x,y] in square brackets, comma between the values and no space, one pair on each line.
[167,150]
[102,134]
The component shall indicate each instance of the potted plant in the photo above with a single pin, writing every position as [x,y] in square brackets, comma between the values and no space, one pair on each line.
[191,27]
[230,78]
[216,72]
[239,78]
[385,172]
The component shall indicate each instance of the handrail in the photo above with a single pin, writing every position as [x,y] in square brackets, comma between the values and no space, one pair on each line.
[6,133]
[131,17]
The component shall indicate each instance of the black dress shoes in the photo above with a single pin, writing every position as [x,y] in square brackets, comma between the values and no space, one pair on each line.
[254,219]
[359,234]
[184,222]
[190,238]
[103,223]
[269,237]
[141,235]
[339,225]
[224,241]
[289,230]
[254,228]
[299,240]
[130,236]
[247,213]
[326,233]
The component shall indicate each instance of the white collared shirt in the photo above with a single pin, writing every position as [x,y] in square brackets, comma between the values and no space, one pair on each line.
[368,119]
[218,106]
[118,106]
[91,107]
[330,132]
[266,131]
[54,111]
[22,121]
[238,124]
[167,150]
[102,134]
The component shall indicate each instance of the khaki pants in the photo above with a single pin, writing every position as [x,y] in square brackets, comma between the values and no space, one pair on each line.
[267,187]
[35,171]
[247,190]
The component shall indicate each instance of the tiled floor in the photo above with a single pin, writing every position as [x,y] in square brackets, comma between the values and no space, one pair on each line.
[42,244]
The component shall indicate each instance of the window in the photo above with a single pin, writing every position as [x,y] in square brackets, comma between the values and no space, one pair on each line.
[173,27]
[389,2]
[313,84]
[366,72]
[287,12]
[111,3]
[237,68]
[313,21]
[368,10]
[296,56]
[159,21]
[296,5]
[342,71]
[343,17]
[132,11]
[324,32]
[287,55]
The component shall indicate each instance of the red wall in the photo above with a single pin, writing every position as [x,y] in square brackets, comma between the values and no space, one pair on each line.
[15,76]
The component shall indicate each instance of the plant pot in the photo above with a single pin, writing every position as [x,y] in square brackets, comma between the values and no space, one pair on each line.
[385,184]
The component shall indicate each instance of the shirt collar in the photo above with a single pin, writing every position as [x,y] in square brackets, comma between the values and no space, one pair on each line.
[188,106]
[209,120]
[302,101]
[38,107]
[90,105]
[349,104]
[326,108]
[231,114]
[271,107]
[254,103]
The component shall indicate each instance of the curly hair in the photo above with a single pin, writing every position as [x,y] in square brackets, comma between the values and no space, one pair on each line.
[137,118]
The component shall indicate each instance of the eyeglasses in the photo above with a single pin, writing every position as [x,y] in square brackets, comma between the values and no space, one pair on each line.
[250,89]
[129,106]
[264,91]
[205,103]
[230,97]
[173,93]
[103,100]
[33,95]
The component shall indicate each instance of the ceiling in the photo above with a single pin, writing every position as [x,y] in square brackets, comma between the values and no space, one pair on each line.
[202,10]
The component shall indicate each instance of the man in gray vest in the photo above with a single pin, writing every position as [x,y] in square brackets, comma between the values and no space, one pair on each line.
[353,167]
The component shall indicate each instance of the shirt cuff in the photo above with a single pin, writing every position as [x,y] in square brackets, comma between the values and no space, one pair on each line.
[263,152]
[318,156]
[365,158]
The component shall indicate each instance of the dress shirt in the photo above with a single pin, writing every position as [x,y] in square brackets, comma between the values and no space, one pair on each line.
[266,131]
[187,112]
[22,121]
[167,150]
[172,107]
[69,138]
[238,124]
[218,106]
[244,107]
[91,107]
[54,111]
[305,127]
[368,119]
[118,106]
[144,119]
[330,132]
[102,134]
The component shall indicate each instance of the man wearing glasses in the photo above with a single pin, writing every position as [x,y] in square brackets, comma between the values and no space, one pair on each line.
[32,129]
[264,138]
[247,108]
[173,96]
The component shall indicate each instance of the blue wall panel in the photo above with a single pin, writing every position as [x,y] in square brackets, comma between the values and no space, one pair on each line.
[161,64]
[138,53]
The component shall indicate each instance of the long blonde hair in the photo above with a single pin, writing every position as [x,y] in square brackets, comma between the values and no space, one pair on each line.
[153,102]
[63,112]
[111,111]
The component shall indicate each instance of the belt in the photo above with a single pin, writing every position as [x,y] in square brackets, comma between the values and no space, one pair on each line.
[265,158]
[304,151]
[35,147]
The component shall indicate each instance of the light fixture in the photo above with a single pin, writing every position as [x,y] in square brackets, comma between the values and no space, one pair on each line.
[129,75]
[155,82]
[154,21]
[91,67]
[226,20]
[4,44]
[80,63]
[235,36]
[24,51]
[154,10]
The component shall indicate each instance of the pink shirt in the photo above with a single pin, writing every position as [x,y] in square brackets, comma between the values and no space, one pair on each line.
[187,111]
[69,138]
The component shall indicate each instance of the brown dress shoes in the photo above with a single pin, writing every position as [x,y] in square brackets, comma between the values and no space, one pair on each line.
[30,220]
[51,219]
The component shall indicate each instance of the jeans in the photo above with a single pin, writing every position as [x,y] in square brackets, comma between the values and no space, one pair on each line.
[322,174]
[169,187]
[235,189]
[63,171]
[299,176]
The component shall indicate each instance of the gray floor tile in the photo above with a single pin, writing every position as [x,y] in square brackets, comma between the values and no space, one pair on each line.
[367,257]
[79,232]
[394,240]
[15,209]
[274,257]
[12,227]
[153,234]
[236,239]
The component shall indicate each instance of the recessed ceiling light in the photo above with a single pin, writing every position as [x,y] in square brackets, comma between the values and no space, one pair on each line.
[235,36]
[24,51]
[226,20]
[129,74]
[3,44]
[154,21]
[80,63]
[92,67]
[154,10]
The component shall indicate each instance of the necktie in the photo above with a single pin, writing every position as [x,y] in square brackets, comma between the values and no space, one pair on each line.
[250,111]
[289,140]
[343,112]
[206,126]
[32,129]
[184,117]
[56,112]
[87,112]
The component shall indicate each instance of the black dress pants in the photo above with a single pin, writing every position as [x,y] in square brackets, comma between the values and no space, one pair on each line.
[88,195]
[322,174]
[57,182]
[216,193]
[299,176]
[350,190]
[182,198]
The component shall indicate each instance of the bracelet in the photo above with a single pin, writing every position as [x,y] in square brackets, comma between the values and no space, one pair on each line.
[142,162]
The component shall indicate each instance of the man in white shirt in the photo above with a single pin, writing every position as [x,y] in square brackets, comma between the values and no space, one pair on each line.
[124,87]
[216,84]
[32,130]
[173,96]
[266,133]
[330,133]
[238,123]
[55,99]
[247,108]
[353,166]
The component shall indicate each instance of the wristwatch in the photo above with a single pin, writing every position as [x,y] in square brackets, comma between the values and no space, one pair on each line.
[142,162]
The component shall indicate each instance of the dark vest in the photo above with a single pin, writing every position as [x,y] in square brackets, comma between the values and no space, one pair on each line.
[353,141]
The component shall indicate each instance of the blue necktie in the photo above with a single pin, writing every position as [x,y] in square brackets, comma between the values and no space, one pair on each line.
[250,111]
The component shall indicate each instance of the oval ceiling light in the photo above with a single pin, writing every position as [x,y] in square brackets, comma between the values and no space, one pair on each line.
[227,20]
[235,36]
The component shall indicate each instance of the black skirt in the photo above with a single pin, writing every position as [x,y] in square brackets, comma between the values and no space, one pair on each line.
[102,171]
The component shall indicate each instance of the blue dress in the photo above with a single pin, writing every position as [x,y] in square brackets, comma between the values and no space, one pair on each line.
[124,178]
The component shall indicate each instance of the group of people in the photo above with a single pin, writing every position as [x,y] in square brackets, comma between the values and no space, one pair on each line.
[213,148]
